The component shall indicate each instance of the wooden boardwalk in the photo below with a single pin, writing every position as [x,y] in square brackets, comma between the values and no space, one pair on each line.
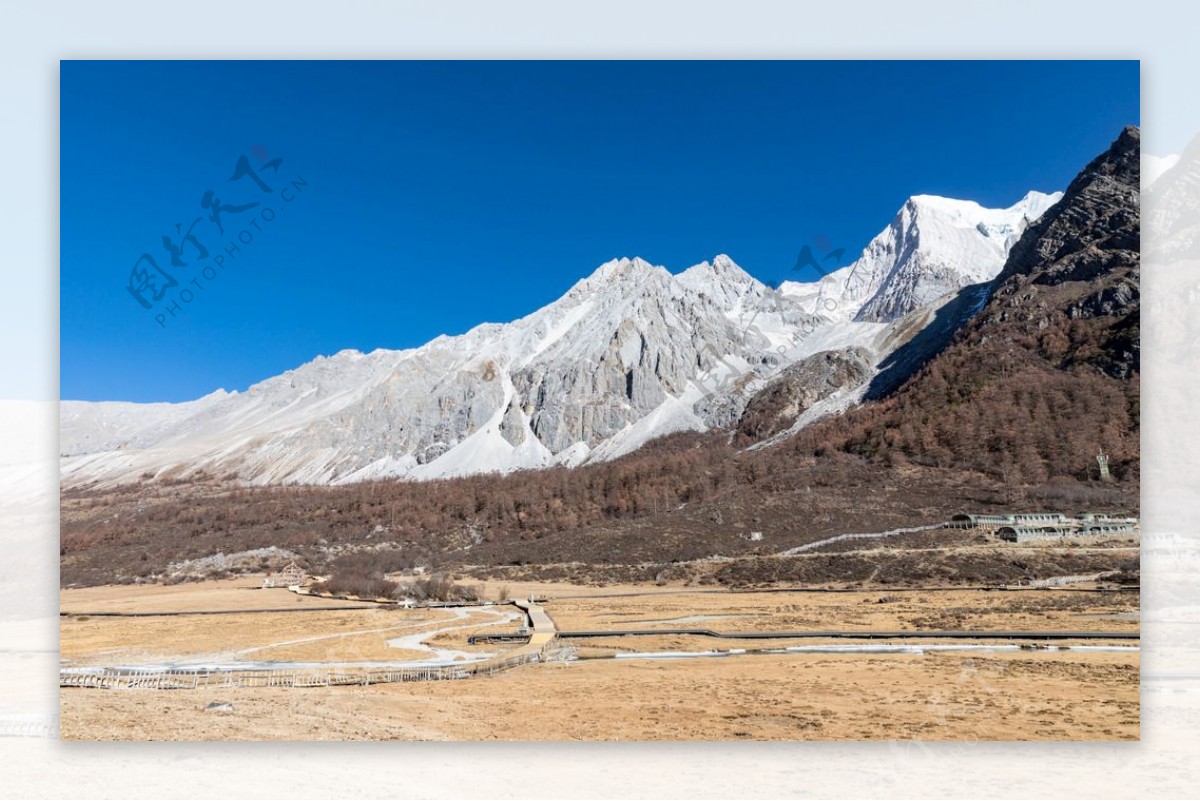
[852,634]
[542,633]
[113,679]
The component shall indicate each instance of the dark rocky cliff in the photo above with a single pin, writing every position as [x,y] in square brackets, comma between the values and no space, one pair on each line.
[1046,373]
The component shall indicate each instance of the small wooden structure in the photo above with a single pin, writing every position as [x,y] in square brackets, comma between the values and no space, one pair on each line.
[292,575]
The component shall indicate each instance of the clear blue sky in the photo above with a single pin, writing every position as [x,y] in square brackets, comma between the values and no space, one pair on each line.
[435,196]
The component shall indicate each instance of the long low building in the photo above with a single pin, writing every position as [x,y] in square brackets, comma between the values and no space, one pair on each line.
[1040,518]
[1114,527]
[1026,526]
[981,521]
[1028,533]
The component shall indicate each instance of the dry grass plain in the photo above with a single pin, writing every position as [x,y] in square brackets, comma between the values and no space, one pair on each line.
[1087,696]
[349,632]
[1067,609]
[968,695]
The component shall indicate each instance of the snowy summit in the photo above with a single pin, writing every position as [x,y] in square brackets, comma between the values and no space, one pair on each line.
[629,353]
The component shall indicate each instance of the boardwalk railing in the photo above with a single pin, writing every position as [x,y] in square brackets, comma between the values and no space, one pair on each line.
[542,637]
[492,667]
[109,678]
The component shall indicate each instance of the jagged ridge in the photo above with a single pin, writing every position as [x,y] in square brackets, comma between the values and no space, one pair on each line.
[629,353]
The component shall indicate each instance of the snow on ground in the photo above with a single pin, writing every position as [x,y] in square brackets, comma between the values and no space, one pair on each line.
[671,416]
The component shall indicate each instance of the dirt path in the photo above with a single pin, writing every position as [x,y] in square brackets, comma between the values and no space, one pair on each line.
[341,634]
[448,656]
[866,536]
[417,643]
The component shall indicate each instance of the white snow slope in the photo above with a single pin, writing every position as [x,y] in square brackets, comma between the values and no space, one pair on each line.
[933,246]
[628,354]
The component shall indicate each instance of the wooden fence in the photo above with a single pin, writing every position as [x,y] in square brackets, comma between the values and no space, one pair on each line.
[109,678]
[492,667]
[113,678]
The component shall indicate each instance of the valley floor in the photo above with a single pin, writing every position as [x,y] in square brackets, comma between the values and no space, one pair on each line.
[920,692]
[1088,696]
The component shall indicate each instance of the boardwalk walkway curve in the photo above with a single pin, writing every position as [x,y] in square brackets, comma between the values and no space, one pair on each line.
[542,634]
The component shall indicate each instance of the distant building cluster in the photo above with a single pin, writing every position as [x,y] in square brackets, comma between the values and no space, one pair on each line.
[1026,527]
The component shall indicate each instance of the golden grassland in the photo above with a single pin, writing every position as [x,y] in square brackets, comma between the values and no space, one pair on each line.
[967,695]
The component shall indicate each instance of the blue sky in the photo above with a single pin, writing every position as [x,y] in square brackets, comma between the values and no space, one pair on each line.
[413,199]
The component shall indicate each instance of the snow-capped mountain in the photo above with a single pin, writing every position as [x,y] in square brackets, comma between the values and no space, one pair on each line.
[934,245]
[629,353]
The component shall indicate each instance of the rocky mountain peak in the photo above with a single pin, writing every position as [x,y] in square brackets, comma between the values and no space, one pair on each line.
[623,267]
[724,266]
[630,353]
[721,278]
[1095,228]
[934,246]
[1045,374]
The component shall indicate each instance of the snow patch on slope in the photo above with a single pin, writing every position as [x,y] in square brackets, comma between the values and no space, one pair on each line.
[671,417]
[934,245]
